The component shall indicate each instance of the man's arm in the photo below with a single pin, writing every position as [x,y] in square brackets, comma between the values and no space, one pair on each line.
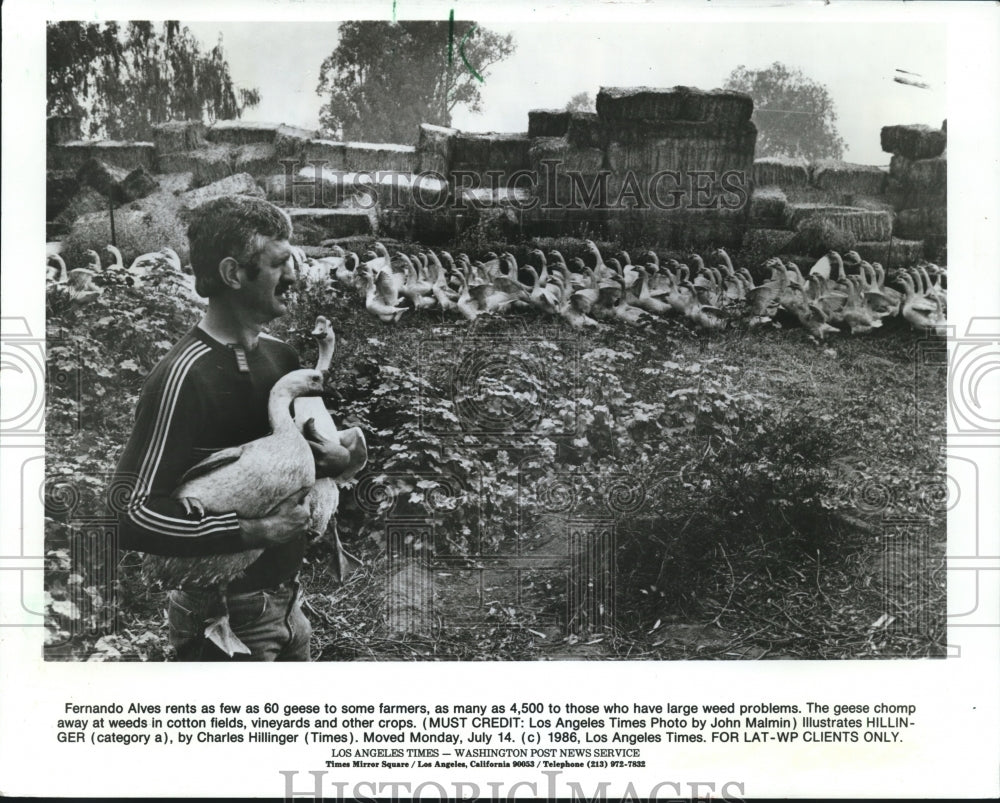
[159,451]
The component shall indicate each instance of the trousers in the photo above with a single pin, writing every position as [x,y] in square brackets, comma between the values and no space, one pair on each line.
[270,622]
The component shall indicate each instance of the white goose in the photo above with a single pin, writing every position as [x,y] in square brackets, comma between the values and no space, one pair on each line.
[314,421]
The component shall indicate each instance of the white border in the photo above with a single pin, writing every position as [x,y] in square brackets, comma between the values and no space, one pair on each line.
[954,751]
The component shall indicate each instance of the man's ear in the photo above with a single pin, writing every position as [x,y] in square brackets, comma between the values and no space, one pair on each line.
[229,273]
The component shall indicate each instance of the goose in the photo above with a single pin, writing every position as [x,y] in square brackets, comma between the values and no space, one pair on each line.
[704,315]
[414,287]
[251,480]
[80,285]
[894,296]
[601,270]
[381,297]
[314,421]
[55,274]
[765,299]
[345,273]
[818,292]
[543,268]
[468,303]
[613,306]
[541,298]
[855,314]
[931,289]
[643,299]
[874,298]
[575,313]
[166,259]
[920,311]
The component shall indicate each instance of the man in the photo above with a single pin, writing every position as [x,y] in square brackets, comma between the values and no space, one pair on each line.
[208,393]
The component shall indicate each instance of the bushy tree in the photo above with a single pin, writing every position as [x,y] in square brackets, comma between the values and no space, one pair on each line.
[581,102]
[386,78]
[795,115]
[120,79]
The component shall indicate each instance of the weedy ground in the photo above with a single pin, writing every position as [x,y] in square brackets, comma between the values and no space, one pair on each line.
[536,493]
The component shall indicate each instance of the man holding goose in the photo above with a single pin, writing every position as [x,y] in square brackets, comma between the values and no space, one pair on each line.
[222,477]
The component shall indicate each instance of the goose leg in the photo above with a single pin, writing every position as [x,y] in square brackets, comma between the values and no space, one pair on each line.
[220,632]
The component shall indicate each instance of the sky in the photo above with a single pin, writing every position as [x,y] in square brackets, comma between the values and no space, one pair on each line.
[553,62]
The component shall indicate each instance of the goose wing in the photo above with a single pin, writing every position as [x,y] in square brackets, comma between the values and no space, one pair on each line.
[221,458]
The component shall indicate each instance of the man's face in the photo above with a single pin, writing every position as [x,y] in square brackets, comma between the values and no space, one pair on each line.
[263,296]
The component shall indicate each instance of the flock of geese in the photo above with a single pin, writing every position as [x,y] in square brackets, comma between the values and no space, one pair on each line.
[838,294]
[82,285]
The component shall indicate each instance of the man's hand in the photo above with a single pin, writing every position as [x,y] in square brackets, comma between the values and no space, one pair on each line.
[332,459]
[288,521]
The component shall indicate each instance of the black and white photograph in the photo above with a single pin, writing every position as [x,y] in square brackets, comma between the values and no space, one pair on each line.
[605,347]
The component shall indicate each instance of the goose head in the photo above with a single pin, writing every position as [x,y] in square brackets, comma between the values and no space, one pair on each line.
[304,382]
[119,262]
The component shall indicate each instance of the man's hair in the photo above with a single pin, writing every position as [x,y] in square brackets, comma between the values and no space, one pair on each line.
[237,227]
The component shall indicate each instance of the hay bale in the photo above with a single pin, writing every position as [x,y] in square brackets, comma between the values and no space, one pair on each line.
[896,253]
[929,176]
[239,184]
[874,204]
[863,224]
[289,141]
[547,123]
[490,151]
[138,184]
[926,176]
[829,174]
[817,235]
[157,222]
[372,157]
[646,149]
[586,130]
[919,224]
[104,178]
[783,171]
[570,158]
[559,184]
[330,152]
[688,229]
[241,132]
[434,149]
[305,188]
[501,198]
[312,226]
[767,205]
[762,243]
[256,159]
[126,155]
[60,187]
[86,201]
[176,183]
[678,103]
[207,164]
[178,135]
[914,141]
[717,105]
[60,128]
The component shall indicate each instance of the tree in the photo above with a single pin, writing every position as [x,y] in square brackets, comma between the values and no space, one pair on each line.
[581,102]
[386,78]
[121,80]
[795,115]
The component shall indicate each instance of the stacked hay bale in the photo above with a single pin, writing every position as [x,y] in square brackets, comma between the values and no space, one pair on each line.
[680,144]
[918,183]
